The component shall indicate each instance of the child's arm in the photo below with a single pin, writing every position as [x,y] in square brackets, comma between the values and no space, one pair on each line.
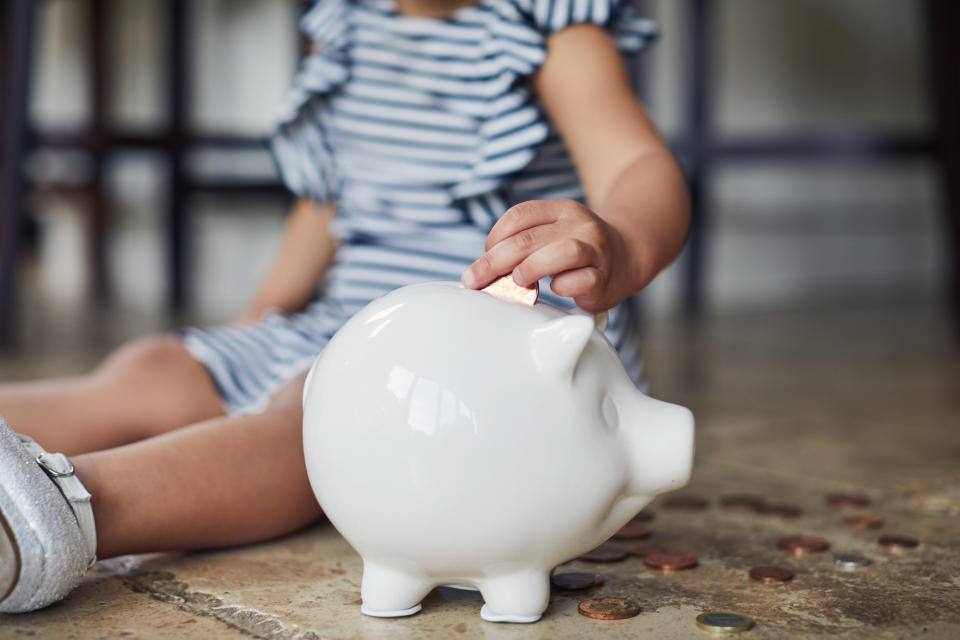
[640,207]
[305,254]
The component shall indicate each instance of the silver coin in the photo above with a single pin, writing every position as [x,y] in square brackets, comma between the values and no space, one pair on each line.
[851,562]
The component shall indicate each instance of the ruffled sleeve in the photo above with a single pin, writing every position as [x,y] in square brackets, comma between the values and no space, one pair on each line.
[630,32]
[303,157]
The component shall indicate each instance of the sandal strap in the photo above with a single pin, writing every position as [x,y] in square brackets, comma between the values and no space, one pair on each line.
[59,468]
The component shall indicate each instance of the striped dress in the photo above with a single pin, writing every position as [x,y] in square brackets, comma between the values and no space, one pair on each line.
[423,132]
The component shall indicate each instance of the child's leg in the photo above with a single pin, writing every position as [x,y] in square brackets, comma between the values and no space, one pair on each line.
[143,389]
[223,482]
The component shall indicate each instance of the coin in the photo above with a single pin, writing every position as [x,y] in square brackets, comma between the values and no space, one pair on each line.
[897,543]
[851,562]
[724,622]
[771,575]
[607,552]
[642,549]
[609,608]
[847,500]
[506,289]
[575,581]
[864,521]
[802,545]
[669,562]
[632,531]
[688,501]
[780,510]
[742,502]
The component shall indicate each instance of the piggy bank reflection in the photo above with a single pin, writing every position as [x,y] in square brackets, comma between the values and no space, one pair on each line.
[454,438]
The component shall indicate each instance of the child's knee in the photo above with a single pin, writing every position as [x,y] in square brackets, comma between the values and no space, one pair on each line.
[151,356]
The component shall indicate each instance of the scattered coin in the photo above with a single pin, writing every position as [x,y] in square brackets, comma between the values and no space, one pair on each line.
[771,575]
[864,521]
[897,543]
[742,502]
[689,502]
[632,531]
[802,545]
[506,289]
[609,608]
[780,510]
[575,581]
[847,500]
[669,562]
[850,561]
[724,622]
[607,552]
[642,549]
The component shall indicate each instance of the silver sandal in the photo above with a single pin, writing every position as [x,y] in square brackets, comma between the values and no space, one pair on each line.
[47,534]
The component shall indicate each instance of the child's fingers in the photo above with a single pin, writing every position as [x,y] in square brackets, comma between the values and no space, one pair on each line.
[520,217]
[581,284]
[555,258]
[504,256]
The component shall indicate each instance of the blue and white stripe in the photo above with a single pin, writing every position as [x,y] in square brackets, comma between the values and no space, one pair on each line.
[424,132]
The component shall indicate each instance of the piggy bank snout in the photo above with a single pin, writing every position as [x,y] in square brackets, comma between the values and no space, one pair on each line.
[660,445]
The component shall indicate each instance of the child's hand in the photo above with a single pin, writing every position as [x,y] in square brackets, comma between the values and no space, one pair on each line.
[588,257]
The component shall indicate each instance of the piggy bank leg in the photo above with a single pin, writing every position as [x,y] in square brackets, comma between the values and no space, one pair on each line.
[515,597]
[389,593]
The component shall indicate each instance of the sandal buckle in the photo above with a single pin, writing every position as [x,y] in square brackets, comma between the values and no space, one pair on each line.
[56,464]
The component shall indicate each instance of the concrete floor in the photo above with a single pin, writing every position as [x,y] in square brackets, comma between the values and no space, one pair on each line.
[791,406]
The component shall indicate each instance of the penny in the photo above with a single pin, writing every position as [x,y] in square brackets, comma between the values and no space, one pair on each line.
[802,545]
[689,502]
[771,575]
[632,531]
[780,510]
[897,543]
[642,549]
[724,622]
[742,502]
[506,289]
[847,500]
[864,521]
[609,608]
[851,562]
[575,581]
[669,562]
[607,552]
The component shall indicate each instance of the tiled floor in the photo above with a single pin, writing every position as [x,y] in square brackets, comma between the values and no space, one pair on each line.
[790,405]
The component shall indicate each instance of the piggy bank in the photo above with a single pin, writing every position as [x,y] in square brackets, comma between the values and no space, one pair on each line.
[454,438]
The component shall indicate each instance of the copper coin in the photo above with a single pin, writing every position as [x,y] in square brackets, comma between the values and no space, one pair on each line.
[689,502]
[669,562]
[780,510]
[607,552]
[864,521]
[742,502]
[847,500]
[506,289]
[642,549]
[609,608]
[897,543]
[632,531]
[802,545]
[575,581]
[771,575]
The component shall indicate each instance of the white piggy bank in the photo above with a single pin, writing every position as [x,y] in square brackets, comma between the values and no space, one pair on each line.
[454,438]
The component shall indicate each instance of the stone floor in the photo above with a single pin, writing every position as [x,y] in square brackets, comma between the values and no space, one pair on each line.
[790,405]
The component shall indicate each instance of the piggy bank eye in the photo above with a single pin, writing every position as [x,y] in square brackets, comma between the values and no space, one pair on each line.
[610,414]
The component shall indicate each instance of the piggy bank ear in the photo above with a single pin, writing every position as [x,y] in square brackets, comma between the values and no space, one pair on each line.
[558,344]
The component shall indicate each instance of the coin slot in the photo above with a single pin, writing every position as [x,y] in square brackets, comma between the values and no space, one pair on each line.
[610,414]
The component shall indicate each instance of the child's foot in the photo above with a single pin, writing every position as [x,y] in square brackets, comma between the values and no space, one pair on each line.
[47,536]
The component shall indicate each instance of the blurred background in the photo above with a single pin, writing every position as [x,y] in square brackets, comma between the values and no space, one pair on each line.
[137,191]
